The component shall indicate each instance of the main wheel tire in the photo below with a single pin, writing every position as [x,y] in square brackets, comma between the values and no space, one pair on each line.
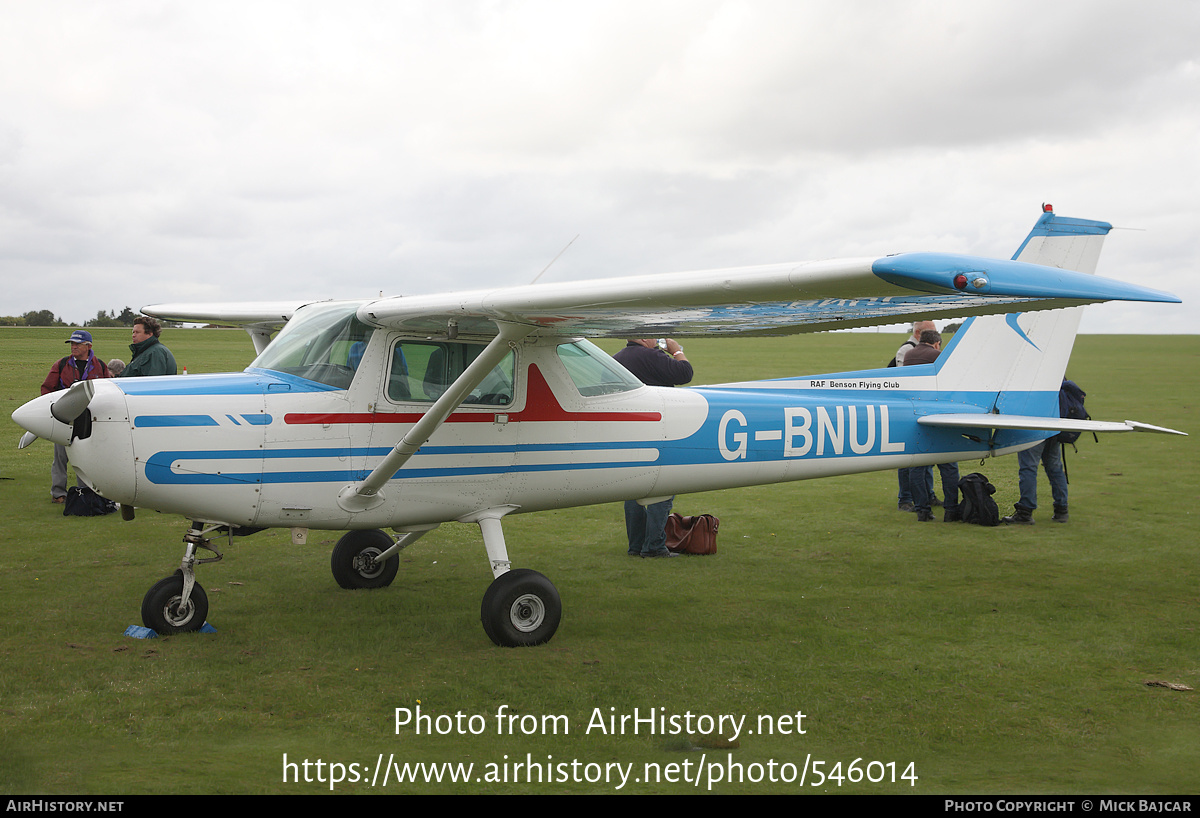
[354,564]
[521,608]
[162,613]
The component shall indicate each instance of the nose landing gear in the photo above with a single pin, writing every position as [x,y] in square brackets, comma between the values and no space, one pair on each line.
[165,608]
[178,604]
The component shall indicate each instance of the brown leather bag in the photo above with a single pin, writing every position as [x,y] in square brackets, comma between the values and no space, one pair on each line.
[692,535]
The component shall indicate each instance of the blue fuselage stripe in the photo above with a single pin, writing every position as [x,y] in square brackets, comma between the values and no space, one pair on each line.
[158,421]
[756,426]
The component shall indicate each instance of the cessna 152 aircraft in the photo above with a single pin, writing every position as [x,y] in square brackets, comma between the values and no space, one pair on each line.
[408,412]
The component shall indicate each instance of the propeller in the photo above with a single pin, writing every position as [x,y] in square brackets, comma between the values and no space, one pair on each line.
[54,415]
[72,404]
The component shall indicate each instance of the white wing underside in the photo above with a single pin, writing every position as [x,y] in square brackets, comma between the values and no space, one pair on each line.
[237,314]
[779,299]
[771,300]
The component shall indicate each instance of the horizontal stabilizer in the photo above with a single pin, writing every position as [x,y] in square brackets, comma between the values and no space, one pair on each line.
[987,421]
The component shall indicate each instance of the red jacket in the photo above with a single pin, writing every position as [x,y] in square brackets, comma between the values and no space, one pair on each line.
[64,373]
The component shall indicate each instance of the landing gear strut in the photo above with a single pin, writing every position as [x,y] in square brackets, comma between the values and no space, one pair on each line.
[355,562]
[367,559]
[178,604]
[165,610]
[521,607]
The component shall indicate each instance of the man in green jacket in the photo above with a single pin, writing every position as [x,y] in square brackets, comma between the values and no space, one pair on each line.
[150,357]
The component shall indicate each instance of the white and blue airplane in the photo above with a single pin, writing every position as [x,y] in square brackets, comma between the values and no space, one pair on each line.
[409,412]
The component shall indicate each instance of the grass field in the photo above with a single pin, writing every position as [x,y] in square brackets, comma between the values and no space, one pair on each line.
[1009,660]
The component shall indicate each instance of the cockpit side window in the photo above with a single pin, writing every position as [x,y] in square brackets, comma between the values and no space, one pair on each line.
[593,371]
[421,371]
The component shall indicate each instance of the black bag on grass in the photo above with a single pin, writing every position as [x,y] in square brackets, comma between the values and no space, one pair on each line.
[83,502]
[977,505]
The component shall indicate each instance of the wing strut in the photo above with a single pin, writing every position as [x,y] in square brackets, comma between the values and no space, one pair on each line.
[365,495]
[260,334]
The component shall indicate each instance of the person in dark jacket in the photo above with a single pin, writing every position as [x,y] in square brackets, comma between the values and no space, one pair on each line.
[927,352]
[646,361]
[646,525]
[81,365]
[150,356]
[904,499]
[1049,453]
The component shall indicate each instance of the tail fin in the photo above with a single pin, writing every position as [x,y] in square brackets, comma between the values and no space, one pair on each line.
[1021,358]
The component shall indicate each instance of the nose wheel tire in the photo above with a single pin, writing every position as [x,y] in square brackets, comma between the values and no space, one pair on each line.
[354,562]
[164,612]
[521,608]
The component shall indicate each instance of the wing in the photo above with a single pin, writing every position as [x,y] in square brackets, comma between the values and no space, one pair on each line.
[268,313]
[259,318]
[773,300]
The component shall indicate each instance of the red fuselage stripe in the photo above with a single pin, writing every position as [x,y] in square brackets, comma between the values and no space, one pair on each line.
[540,406]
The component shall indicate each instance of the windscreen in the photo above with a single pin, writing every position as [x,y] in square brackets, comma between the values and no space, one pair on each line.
[323,343]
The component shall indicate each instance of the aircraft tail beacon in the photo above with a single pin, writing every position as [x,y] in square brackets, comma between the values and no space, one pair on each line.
[1022,357]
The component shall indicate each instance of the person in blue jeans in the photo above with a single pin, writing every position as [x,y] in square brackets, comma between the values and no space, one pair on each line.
[922,489]
[904,499]
[920,478]
[1049,454]
[647,528]
[668,366]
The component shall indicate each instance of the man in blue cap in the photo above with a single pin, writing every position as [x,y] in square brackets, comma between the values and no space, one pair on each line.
[81,365]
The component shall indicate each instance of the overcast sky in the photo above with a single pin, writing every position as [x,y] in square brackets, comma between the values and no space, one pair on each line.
[173,151]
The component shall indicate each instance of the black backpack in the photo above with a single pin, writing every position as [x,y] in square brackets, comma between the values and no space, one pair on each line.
[1070,405]
[977,506]
[83,502]
[892,362]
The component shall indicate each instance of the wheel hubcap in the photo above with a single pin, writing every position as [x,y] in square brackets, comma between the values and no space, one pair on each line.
[366,565]
[527,613]
[176,615]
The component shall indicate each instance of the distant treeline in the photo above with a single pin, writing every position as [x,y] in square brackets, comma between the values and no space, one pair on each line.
[47,318]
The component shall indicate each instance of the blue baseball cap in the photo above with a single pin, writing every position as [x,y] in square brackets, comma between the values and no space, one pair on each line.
[80,336]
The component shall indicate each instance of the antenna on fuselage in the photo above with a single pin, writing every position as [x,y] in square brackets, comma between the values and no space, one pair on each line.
[556,258]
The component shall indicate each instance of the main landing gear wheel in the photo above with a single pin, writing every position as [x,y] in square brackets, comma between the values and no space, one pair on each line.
[163,613]
[354,564]
[521,608]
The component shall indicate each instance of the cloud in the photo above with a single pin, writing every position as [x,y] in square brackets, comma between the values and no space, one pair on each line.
[248,151]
